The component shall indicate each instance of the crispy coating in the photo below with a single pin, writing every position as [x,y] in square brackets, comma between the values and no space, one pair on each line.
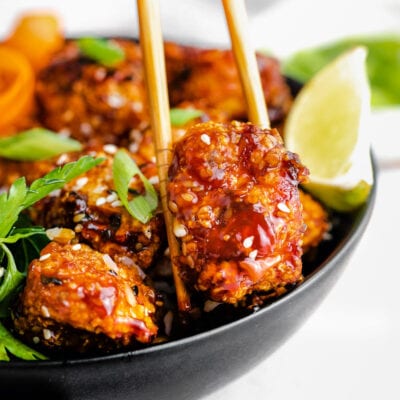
[233,191]
[316,220]
[74,286]
[93,103]
[211,76]
[142,144]
[90,206]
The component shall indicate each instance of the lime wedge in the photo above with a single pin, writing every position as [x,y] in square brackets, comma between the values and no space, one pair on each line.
[328,127]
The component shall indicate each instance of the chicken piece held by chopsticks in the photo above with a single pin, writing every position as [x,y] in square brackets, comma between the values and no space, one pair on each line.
[237,214]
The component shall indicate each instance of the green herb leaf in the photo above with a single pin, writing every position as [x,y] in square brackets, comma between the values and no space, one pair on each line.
[140,207]
[36,144]
[102,51]
[57,178]
[12,277]
[383,64]
[181,116]
[20,197]
[23,233]
[9,344]
[11,205]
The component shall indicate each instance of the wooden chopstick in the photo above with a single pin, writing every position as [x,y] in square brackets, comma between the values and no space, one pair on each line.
[237,20]
[154,66]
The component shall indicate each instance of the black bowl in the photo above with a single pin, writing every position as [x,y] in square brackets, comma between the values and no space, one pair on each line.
[195,366]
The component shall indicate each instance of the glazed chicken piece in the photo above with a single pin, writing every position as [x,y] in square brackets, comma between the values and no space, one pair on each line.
[93,103]
[73,287]
[234,195]
[90,206]
[211,76]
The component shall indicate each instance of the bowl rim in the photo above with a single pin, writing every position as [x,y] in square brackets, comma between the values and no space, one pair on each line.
[362,218]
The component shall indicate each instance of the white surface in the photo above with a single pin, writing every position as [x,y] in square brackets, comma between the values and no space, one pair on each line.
[349,348]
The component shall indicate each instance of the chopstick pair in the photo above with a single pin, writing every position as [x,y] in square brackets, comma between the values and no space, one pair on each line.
[154,65]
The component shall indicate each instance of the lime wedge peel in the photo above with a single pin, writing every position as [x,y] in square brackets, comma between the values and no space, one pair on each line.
[328,126]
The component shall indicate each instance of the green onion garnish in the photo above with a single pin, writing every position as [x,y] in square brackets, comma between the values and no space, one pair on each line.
[140,207]
[105,52]
[36,144]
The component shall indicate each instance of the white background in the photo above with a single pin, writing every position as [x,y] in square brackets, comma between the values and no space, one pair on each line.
[349,348]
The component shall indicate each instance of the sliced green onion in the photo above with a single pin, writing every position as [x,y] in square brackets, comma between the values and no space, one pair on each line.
[140,207]
[181,116]
[102,51]
[36,144]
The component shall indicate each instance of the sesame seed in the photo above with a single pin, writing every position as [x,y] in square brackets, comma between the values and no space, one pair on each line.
[99,189]
[187,196]
[115,100]
[55,193]
[45,312]
[226,237]
[80,183]
[35,340]
[147,232]
[100,74]
[2,270]
[111,197]
[180,230]
[85,128]
[62,159]
[253,254]
[248,242]
[65,132]
[76,247]
[154,180]
[137,106]
[110,262]
[116,203]
[110,148]
[44,257]
[78,228]
[283,207]
[205,139]
[190,261]
[47,334]
[78,217]
[100,201]
[173,206]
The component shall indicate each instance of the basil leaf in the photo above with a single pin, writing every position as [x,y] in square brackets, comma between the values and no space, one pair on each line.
[181,116]
[102,51]
[9,344]
[57,178]
[36,144]
[383,64]
[140,207]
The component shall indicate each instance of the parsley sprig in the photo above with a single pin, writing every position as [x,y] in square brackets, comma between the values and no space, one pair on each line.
[12,203]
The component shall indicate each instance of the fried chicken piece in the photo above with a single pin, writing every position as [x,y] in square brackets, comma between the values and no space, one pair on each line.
[71,287]
[89,205]
[142,142]
[211,76]
[316,220]
[233,191]
[11,170]
[94,103]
